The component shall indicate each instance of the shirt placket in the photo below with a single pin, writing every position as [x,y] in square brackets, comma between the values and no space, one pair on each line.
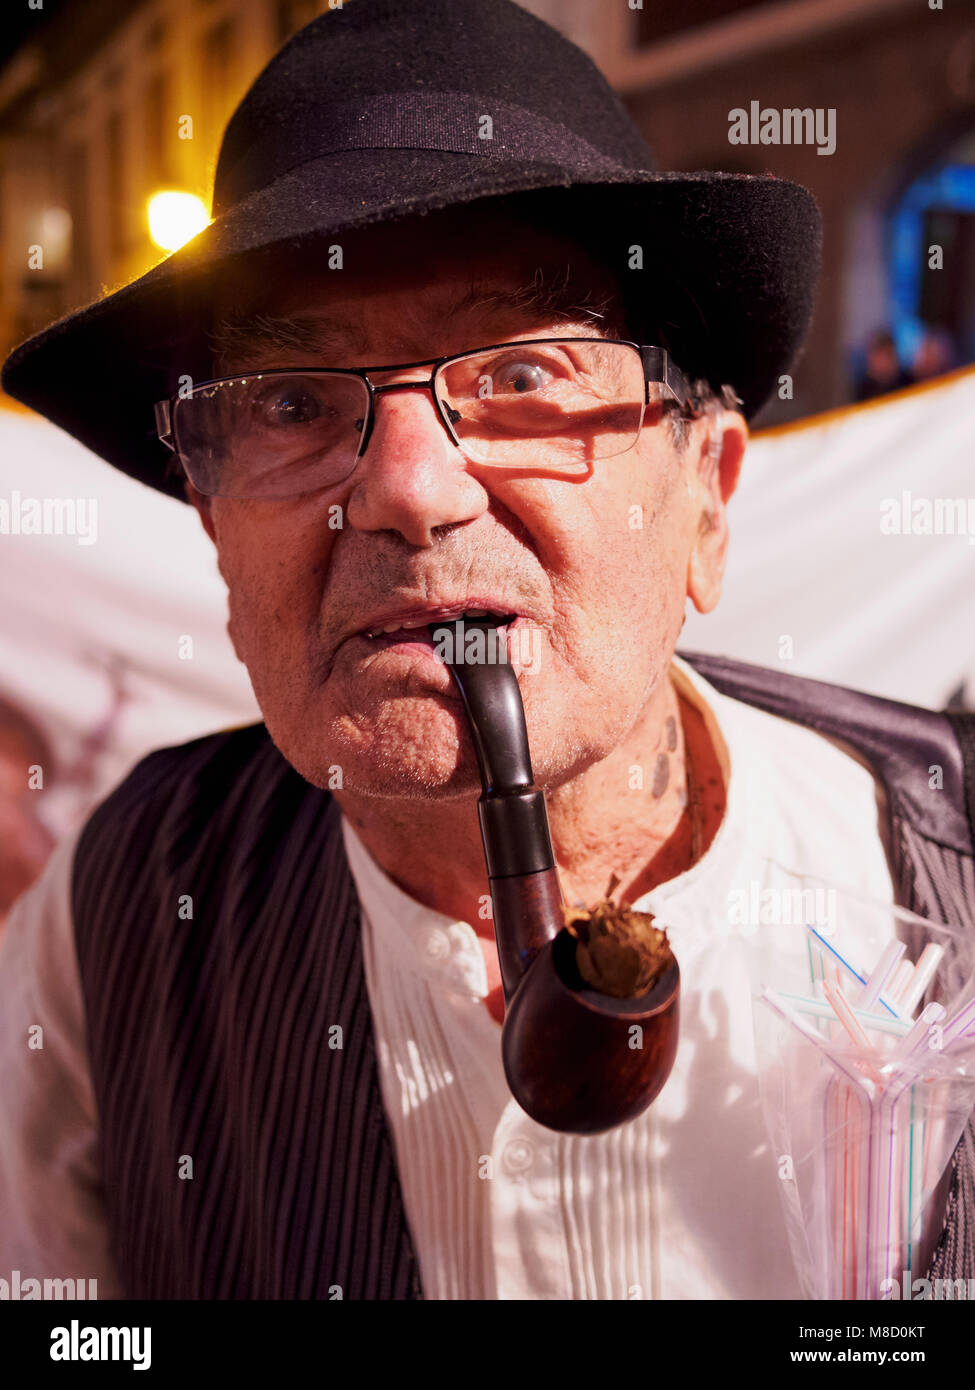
[520,1161]
[526,1214]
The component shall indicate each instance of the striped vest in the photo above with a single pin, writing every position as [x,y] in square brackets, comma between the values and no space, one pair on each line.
[245,1150]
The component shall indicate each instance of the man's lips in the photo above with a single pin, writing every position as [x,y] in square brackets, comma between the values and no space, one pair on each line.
[409,636]
[421,636]
[409,620]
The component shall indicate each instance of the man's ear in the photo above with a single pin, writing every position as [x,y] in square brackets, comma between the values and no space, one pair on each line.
[719,450]
[202,505]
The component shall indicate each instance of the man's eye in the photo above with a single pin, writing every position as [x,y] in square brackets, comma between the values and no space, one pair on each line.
[519,377]
[283,408]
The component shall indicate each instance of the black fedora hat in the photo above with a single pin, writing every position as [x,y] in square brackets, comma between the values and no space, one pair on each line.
[379,110]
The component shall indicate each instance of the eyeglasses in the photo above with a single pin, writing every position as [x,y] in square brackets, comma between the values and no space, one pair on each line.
[546,404]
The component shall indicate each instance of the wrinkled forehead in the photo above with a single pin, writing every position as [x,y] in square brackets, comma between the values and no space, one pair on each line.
[450,261]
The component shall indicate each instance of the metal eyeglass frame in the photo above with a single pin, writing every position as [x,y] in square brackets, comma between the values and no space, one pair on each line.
[657,367]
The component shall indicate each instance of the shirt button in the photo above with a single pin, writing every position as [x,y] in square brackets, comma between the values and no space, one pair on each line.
[518,1156]
[436,944]
[459,975]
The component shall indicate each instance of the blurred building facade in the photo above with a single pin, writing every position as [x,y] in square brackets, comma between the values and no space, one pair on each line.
[93,119]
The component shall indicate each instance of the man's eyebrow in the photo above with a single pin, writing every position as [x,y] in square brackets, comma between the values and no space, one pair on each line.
[244,335]
[555,293]
[548,294]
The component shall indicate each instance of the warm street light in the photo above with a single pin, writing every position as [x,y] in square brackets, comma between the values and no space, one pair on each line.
[175,217]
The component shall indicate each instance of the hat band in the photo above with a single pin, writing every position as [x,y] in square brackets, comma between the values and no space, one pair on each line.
[451,122]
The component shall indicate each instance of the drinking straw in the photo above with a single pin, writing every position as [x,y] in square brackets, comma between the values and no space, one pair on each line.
[883,1161]
[866,1053]
[900,980]
[832,1130]
[846,1195]
[834,1210]
[920,1131]
[934,1130]
[818,1008]
[846,1016]
[881,973]
[837,983]
[958,1024]
[896,1232]
[871,1204]
[850,1199]
[779,1006]
[841,1187]
[885,1216]
[928,962]
[861,979]
[909,1044]
[914,1179]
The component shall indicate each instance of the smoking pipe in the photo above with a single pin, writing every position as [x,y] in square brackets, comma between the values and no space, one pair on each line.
[576,1060]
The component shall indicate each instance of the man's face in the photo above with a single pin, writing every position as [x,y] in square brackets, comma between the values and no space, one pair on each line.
[597,567]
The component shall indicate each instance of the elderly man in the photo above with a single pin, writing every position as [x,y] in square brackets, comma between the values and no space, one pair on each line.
[276,1071]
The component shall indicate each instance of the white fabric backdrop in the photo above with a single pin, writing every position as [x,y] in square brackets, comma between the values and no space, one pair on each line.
[808,559]
[71,612]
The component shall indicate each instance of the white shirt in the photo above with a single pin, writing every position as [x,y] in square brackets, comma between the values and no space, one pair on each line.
[682,1202]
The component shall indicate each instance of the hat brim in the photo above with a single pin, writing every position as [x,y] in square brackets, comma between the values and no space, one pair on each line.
[743,249]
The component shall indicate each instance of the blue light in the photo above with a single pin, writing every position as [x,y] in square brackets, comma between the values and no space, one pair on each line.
[951,188]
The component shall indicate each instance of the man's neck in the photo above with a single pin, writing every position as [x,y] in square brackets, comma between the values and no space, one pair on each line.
[636,814]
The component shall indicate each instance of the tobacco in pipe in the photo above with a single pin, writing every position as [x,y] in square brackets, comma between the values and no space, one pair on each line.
[577,1059]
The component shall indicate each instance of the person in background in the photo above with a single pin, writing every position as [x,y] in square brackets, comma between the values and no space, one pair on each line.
[884,371]
[933,356]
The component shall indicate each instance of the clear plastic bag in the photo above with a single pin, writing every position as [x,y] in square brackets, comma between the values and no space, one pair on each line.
[865,1037]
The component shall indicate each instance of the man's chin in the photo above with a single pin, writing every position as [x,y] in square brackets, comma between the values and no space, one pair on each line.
[409,748]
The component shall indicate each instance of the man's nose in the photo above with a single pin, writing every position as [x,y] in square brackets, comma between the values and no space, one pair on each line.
[412,478]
